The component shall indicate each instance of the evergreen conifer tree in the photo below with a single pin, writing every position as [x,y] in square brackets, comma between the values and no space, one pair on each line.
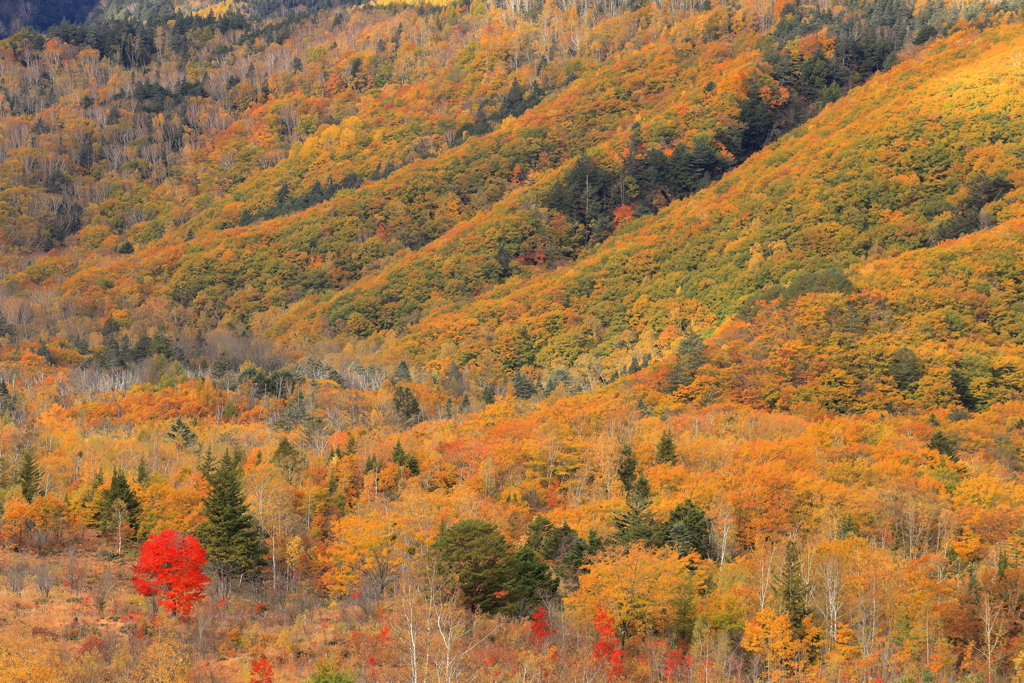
[404,459]
[230,534]
[402,373]
[529,581]
[688,530]
[690,355]
[119,490]
[627,467]
[637,523]
[791,590]
[142,472]
[666,451]
[287,457]
[29,476]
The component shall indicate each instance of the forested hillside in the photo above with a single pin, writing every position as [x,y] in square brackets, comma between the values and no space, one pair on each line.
[527,341]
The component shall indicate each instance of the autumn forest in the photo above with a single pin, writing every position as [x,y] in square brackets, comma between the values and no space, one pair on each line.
[512,340]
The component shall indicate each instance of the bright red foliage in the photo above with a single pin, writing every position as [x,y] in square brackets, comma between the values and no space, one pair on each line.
[171,568]
[540,624]
[262,671]
[607,646]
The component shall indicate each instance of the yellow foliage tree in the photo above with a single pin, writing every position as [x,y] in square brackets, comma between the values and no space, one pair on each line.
[644,590]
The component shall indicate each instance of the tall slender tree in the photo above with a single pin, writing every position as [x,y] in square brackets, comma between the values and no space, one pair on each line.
[230,534]
[29,476]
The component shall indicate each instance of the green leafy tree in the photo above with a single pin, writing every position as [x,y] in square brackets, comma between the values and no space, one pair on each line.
[230,534]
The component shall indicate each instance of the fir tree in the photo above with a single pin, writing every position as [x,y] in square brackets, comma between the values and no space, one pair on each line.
[906,369]
[287,457]
[405,403]
[404,459]
[119,490]
[142,472]
[688,530]
[627,467]
[529,581]
[690,355]
[29,476]
[230,534]
[402,373]
[522,386]
[637,523]
[183,436]
[791,591]
[666,451]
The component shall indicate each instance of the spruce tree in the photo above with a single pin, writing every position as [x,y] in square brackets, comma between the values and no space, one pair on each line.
[791,590]
[287,457]
[405,403]
[403,459]
[183,436]
[627,467]
[119,490]
[688,530]
[142,472]
[666,451]
[906,369]
[690,355]
[637,523]
[402,373]
[529,581]
[522,386]
[230,534]
[29,476]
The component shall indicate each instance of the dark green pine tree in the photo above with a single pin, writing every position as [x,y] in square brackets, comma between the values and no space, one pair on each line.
[688,530]
[405,403]
[627,467]
[906,369]
[530,581]
[637,523]
[142,472]
[404,459]
[402,373]
[183,436]
[118,490]
[230,534]
[665,454]
[29,476]
[287,457]
[522,386]
[690,355]
[791,591]
[476,554]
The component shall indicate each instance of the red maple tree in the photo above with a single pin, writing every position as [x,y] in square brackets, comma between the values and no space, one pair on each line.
[171,568]
[261,671]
